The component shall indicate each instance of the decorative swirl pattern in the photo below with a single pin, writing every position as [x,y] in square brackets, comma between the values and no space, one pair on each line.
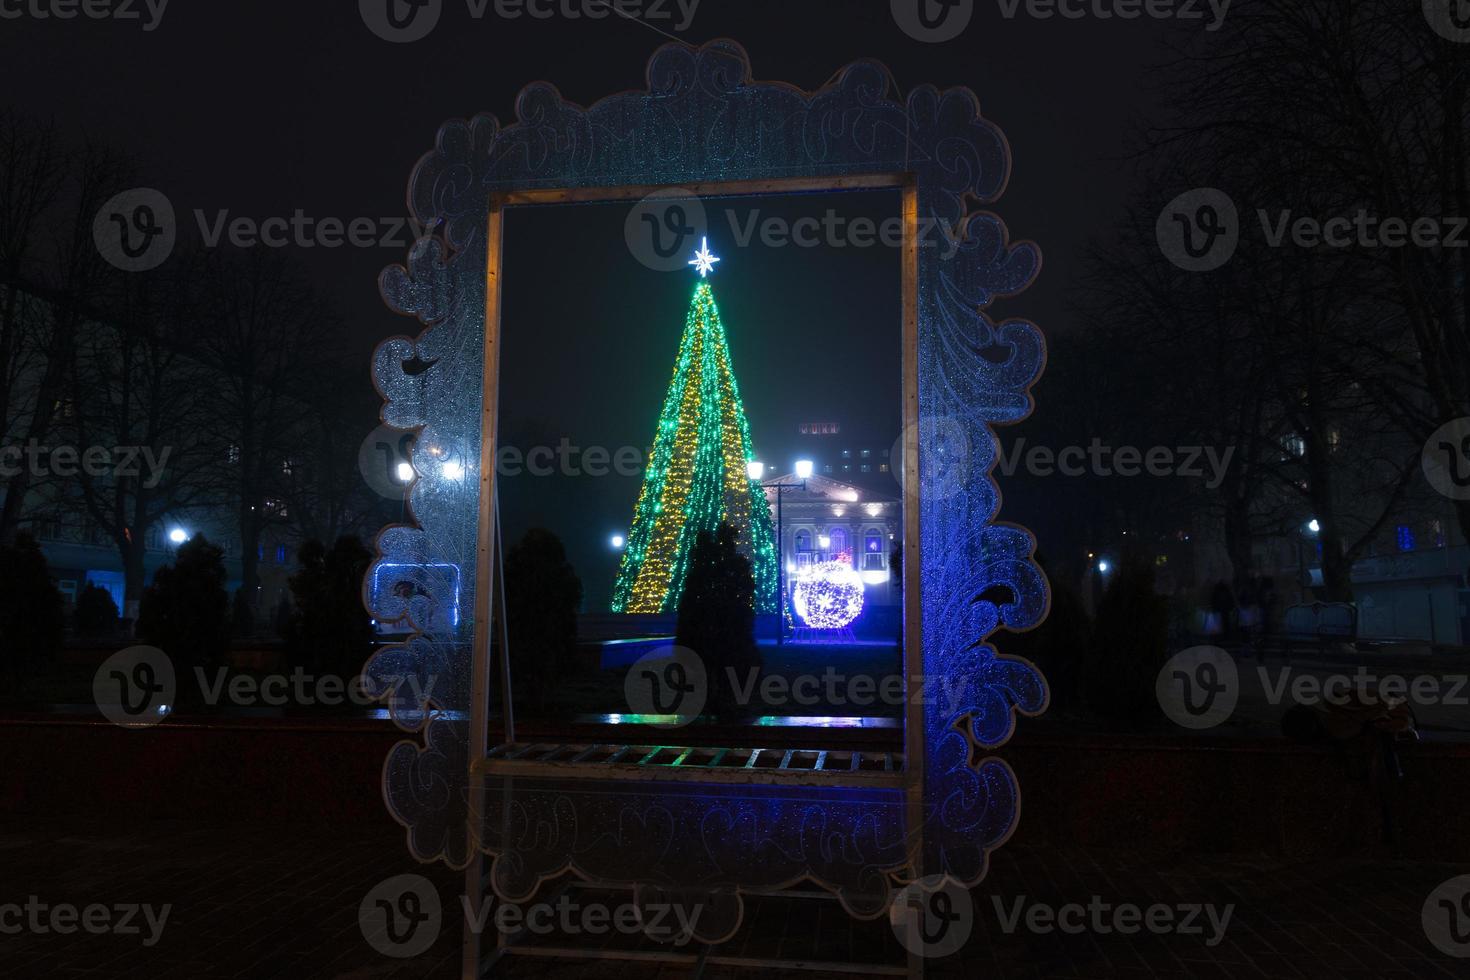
[700,119]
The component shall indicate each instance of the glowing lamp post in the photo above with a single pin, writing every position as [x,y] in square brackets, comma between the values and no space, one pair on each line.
[755,470]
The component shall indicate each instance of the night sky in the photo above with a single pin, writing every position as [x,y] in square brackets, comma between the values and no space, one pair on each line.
[263,109]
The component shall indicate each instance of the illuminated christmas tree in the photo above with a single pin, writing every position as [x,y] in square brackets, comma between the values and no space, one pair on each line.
[697,475]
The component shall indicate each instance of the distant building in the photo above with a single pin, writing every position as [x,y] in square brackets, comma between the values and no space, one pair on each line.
[829,520]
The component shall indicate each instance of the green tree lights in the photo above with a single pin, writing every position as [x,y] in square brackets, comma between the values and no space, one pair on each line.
[696,476]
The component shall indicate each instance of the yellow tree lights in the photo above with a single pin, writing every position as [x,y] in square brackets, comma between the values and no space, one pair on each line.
[697,475]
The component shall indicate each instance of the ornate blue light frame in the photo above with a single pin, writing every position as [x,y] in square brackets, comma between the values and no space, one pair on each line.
[702,119]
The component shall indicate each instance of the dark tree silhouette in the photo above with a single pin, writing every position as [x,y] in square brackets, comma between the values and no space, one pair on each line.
[542,594]
[717,616]
[32,617]
[96,613]
[331,631]
[185,612]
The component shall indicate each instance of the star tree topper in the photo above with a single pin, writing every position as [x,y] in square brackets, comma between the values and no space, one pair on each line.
[704,260]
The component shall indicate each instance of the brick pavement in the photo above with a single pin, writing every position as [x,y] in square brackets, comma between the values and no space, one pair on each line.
[251,906]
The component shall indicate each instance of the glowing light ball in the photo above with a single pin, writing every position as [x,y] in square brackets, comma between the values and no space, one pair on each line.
[829,595]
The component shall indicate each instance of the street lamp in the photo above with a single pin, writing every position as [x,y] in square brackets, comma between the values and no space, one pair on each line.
[1312,528]
[617,542]
[756,470]
[178,535]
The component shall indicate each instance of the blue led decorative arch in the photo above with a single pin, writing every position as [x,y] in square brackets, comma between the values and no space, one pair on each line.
[702,119]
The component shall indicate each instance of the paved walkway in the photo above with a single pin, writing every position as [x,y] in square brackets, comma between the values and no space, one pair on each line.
[256,906]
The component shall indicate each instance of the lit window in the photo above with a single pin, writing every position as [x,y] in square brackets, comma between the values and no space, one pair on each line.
[873,542]
[803,541]
[1404,535]
[838,538]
